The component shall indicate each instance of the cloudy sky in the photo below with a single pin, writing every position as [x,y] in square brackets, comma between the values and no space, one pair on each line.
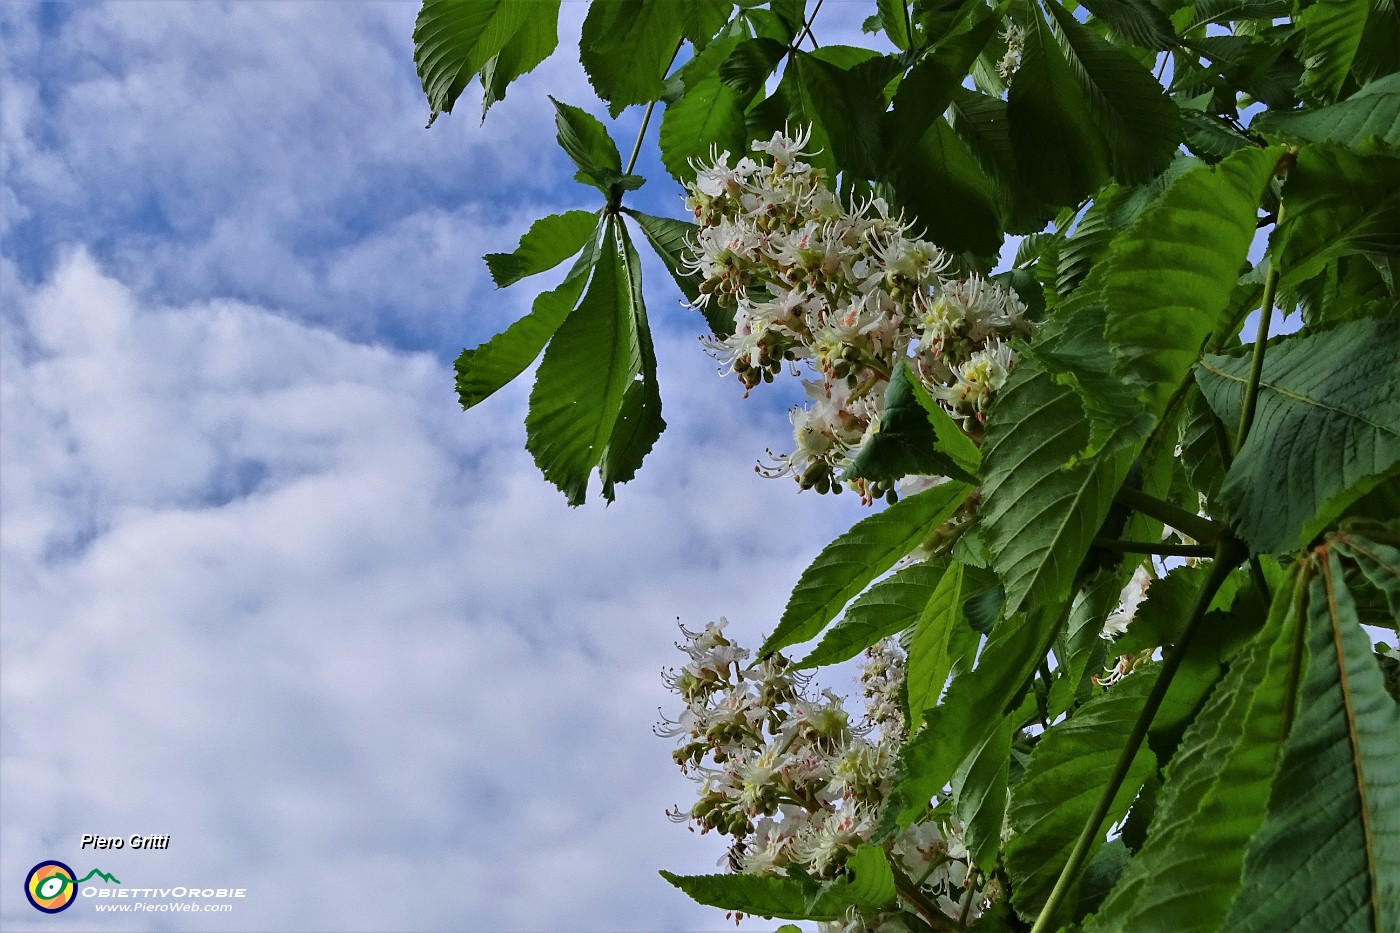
[265,587]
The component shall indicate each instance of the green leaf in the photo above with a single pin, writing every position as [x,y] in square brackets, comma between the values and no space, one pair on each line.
[532,43]
[670,239]
[1138,21]
[1039,513]
[1163,613]
[887,608]
[1168,279]
[1138,119]
[1059,149]
[1331,35]
[1370,117]
[980,122]
[750,64]
[974,706]
[709,114]
[1067,773]
[639,421]
[870,882]
[761,896]
[929,660]
[1211,138]
[1379,563]
[1186,873]
[627,46]
[844,105]
[549,241]
[595,358]
[1326,430]
[1328,854]
[894,19]
[848,564]
[701,19]
[906,444]
[454,40]
[484,370]
[980,795]
[927,89]
[1338,203]
[1082,642]
[587,143]
[939,181]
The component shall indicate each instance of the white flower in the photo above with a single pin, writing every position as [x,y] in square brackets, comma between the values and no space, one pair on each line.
[1128,601]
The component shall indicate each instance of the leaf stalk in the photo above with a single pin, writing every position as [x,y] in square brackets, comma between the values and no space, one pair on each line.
[1228,553]
[1202,529]
[1160,548]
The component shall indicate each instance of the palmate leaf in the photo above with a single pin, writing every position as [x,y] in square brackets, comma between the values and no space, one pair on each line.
[951,198]
[1067,772]
[549,241]
[979,800]
[1039,514]
[710,113]
[1371,114]
[598,368]
[626,47]
[1168,279]
[1328,853]
[1137,118]
[848,564]
[980,122]
[1326,430]
[890,606]
[1332,32]
[1338,203]
[1185,875]
[1059,149]
[671,240]
[485,369]
[1138,21]
[454,40]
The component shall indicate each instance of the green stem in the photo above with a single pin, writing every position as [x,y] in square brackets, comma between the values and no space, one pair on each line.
[1161,549]
[1256,363]
[1202,529]
[646,117]
[1227,554]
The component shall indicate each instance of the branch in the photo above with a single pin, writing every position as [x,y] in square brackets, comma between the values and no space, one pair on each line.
[926,910]
[1256,363]
[1227,555]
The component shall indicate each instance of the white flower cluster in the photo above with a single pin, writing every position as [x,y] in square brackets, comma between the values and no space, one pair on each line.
[791,779]
[1117,624]
[1015,39]
[850,293]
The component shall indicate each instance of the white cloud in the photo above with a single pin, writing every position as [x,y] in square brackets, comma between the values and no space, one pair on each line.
[268,591]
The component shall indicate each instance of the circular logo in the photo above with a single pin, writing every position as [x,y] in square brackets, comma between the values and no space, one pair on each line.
[51,886]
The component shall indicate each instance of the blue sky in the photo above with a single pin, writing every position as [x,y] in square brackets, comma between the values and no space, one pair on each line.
[265,588]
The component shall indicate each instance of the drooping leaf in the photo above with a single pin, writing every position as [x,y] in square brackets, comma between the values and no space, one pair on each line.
[980,122]
[1040,515]
[750,64]
[1186,873]
[549,241]
[980,795]
[532,43]
[1168,279]
[1337,204]
[974,706]
[1067,773]
[759,895]
[1059,150]
[701,19]
[849,563]
[929,660]
[484,370]
[1379,563]
[1137,118]
[455,40]
[890,606]
[950,197]
[1082,642]
[594,358]
[1138,21]
[1331,35]
[924,93]
[639,421]
[1326,430]
[1371,115]
[626,47]
[1328,853]
[671,240]
[869,882]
